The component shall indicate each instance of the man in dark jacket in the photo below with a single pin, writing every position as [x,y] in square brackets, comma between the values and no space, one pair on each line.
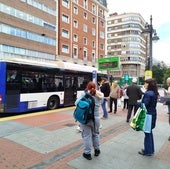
[134,93]
[105,89]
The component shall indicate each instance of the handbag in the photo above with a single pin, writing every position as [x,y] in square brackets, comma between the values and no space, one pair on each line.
[119,103]
[137,121]
[147,123]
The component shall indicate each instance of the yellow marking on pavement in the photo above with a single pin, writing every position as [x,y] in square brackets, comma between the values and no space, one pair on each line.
[35,114]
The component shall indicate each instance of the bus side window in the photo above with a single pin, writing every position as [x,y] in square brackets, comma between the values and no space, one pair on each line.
[60,86]
[12,76]
[83,85]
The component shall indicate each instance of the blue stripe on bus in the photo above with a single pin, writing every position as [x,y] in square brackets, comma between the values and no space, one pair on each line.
[3,80]
[23,107]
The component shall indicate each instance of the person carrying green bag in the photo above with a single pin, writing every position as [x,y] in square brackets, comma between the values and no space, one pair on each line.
[150,101]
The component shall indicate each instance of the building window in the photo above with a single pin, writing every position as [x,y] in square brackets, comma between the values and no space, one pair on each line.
[93,56]
[116,21]
[93,44]
[75,10]
[102,23]
[75,52]
[102,35]
[65,3]
[65,18]
[85,15]
[93,31]
[28,35]
[85,54]
[65,49]
[101,13]
[94,9]
[102,46]
[116,27]
[85,41]
[75,24]
[75,38]
[93,20]
[85,4]
[85,28]
[75,1]
[65,33]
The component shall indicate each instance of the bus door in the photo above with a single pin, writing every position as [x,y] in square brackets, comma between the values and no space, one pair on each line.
[12,100]
[70,90]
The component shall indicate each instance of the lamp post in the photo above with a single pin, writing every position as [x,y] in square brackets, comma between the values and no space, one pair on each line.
[152,37]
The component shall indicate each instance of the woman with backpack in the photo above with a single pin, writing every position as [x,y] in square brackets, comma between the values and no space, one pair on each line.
[90,130]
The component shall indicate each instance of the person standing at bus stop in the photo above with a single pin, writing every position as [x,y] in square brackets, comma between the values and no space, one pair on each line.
[105,89]
[114,96]
[134,93]
[150,101]
[90,131]
[166,92]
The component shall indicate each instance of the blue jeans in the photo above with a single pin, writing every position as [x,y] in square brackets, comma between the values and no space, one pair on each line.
[148,143]
[105,114]
[168,108]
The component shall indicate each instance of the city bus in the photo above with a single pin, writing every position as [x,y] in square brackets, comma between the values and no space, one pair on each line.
[27,85]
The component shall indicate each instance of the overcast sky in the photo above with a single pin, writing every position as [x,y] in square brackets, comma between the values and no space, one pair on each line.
[160,20]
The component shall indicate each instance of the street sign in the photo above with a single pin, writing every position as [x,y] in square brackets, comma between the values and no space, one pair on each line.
[148,74]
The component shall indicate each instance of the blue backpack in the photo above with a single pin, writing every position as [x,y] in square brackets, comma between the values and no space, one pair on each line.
[84,111]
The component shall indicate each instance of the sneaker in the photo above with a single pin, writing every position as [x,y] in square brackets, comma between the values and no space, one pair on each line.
[100,126]
[78,129]
[87,156]
[142,153]
[104,118]
[96,152]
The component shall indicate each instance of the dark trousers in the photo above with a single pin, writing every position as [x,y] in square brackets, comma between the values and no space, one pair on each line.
[130,108]
[125,103]
[113,100]
[149,143]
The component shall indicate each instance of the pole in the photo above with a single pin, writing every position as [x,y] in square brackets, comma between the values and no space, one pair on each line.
[150,48]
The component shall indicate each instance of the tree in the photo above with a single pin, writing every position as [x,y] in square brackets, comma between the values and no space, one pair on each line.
[166,75]
[158,71]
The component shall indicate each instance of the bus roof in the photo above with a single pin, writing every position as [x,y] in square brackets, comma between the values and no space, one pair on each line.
[52,64]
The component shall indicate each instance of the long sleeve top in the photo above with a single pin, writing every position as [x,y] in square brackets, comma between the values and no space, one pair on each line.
[150,101]
[98,99]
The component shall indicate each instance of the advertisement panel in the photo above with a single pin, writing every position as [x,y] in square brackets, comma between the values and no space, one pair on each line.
[109,63]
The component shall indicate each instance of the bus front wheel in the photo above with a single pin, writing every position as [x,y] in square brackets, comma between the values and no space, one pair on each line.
[52,103]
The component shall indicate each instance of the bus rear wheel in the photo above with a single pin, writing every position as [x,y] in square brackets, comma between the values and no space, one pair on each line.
[52,103]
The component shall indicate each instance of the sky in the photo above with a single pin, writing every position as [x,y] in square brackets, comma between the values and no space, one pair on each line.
[159,9]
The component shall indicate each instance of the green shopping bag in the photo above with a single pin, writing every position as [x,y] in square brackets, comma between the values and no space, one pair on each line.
[138,120]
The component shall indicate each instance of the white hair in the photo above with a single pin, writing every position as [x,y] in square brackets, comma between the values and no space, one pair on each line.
[168,79]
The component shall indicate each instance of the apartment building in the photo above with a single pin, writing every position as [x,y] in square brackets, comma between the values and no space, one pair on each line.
[81,30]
[28,29]
[67,30]
[125,40]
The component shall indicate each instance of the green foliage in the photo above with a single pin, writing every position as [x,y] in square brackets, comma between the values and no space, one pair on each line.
[166,75]
[159,72]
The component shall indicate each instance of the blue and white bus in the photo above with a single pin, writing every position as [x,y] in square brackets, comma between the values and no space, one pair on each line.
[29,86]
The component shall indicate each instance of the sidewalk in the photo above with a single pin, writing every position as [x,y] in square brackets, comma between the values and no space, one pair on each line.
[51,141]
